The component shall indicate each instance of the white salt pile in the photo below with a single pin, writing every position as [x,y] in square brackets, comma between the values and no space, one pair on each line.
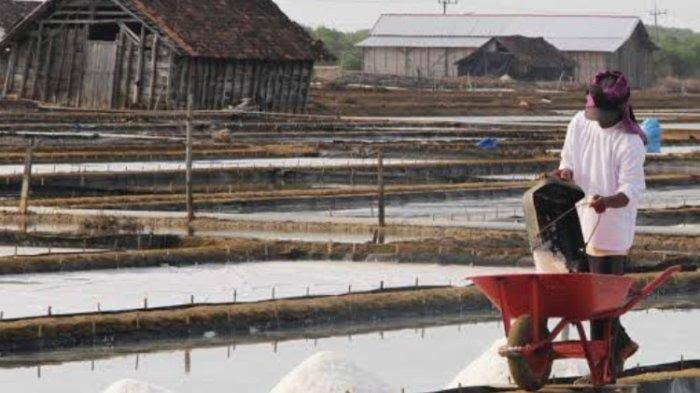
[134,386]
[490,369]
[329,372]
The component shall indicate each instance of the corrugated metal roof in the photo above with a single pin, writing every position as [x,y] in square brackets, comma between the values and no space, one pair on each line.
[424,42]
[566,32]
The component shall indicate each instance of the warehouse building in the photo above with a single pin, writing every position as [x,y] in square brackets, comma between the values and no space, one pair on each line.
[431,45]
[148,54]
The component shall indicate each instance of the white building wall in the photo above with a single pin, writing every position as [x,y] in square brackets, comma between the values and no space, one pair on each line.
[414,62]
[632,58]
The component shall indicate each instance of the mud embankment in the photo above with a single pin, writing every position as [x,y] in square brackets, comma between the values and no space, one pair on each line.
[151,152]
[90,241]
[489,248]
[517,100]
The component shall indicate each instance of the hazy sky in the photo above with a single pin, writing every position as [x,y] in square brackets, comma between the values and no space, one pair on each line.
[360,14]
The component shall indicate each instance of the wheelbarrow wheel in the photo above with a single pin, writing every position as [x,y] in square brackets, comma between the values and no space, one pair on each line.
[529,371]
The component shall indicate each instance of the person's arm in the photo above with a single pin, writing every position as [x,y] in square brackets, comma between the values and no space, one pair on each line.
[630,179]
[601,204]
[566,166]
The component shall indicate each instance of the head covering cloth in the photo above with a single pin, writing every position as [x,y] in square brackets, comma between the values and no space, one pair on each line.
[610,91]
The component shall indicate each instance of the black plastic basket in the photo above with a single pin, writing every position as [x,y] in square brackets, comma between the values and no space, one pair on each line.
[552,220]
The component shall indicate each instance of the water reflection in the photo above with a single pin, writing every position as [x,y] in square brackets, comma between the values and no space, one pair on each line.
[417,359]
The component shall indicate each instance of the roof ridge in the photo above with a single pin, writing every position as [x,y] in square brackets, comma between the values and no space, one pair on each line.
[544,15]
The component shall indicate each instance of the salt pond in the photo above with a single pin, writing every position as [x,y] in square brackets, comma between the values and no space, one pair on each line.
[480,209]
[149,166]
[229,233]
[8,251]
[415,359]
[31,294]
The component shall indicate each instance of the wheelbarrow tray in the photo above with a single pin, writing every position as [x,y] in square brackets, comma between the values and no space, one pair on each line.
[578,296]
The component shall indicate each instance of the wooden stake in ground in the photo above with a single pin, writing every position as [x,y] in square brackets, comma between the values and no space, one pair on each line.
[379,238]
[26,181]
[188,163]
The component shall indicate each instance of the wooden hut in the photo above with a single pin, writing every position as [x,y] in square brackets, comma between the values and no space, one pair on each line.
[11,12]
[146,54]
[521,58]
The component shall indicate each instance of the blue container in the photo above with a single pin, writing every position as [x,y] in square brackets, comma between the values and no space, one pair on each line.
[487,144]
[652,129]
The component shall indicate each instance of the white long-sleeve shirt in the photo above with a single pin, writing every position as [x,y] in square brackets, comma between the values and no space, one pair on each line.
[605,162]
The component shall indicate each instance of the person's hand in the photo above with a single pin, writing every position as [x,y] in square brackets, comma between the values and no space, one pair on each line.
[599,204]
[566,175]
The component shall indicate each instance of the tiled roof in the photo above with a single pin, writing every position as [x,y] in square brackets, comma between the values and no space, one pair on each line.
[243,29]
[12,12]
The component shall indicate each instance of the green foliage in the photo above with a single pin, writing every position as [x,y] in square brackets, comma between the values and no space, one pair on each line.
[342,45]
[679,53]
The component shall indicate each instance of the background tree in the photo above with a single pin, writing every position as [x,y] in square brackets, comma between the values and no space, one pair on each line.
[342,45]
[678,54]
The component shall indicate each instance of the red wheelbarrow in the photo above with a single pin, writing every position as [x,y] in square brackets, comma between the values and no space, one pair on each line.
[526,302]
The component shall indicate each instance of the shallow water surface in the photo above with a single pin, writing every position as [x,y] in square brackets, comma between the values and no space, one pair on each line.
[31,294]
[479,209]
[418,360]
[148,166]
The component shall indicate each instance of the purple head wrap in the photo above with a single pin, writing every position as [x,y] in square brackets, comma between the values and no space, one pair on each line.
[610,91]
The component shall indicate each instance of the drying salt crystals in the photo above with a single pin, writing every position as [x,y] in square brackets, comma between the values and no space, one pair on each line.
[134,386]
[330,372]
[491,369]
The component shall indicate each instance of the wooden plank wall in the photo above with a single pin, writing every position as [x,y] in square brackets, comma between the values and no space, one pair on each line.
[53,70]
[143,75]
[223,83]
[635,59]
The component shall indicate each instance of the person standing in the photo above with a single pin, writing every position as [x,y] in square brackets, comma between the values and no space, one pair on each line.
[604,155]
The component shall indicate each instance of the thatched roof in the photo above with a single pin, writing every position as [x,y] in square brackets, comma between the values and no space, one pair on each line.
[11,12]
[238,29]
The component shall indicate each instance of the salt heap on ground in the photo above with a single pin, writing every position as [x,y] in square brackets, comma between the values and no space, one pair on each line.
[134,386]
[491,369]
[329,372]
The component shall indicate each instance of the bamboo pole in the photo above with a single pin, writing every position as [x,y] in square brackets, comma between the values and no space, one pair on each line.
[380,197]
[188,164]
[26,181]
[9,75]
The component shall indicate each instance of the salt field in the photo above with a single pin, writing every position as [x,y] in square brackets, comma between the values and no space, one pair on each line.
[665,151]
[8,251]
[493,120]
[479,209]
[305,236]
[32,294]
[417,360]
[149,166]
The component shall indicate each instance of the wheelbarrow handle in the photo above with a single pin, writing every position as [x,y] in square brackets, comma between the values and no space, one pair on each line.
[651,286]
